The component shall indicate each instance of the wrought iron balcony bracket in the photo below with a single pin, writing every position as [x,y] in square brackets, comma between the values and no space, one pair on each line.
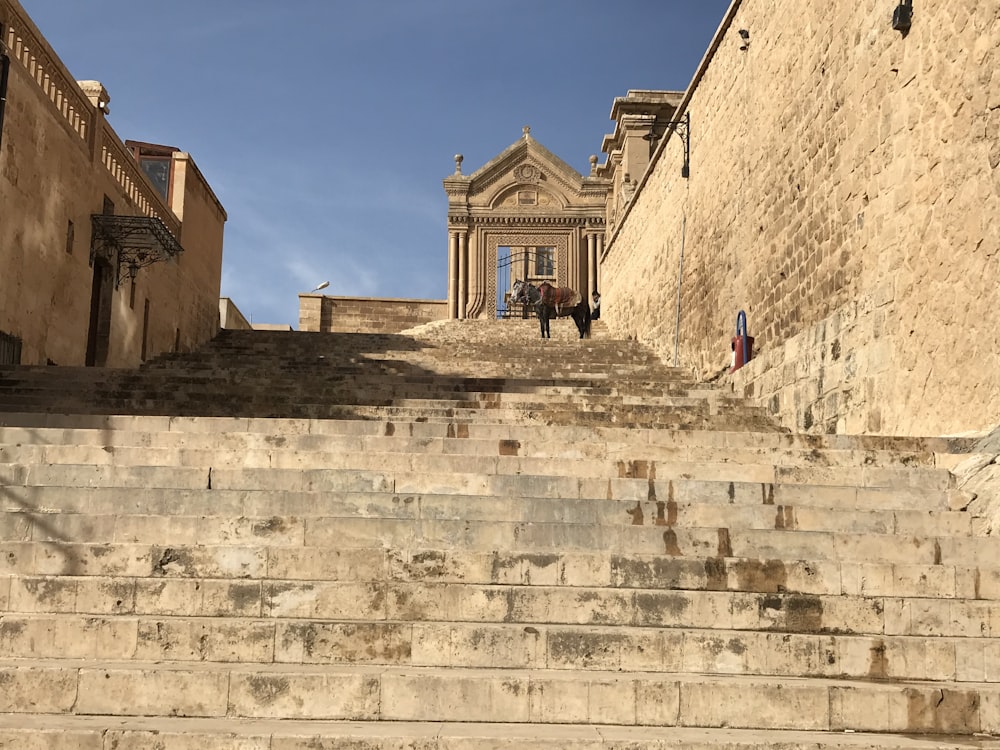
[131,242]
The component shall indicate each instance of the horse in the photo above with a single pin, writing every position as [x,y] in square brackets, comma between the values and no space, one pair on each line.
[553,302]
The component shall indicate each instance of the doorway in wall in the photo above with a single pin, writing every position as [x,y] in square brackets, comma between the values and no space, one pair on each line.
[532,264]
[99,331]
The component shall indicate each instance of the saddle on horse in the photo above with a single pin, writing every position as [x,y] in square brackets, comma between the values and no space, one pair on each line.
[561,298]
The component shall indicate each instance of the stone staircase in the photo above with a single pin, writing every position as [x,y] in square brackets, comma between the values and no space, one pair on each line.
[462,537]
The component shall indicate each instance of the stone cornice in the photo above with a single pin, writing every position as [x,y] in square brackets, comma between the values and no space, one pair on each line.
[459,221]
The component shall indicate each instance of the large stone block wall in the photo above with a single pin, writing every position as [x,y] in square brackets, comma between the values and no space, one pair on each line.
[328,314]
[843,191]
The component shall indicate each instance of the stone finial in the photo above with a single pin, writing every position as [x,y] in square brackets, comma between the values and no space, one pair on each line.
[593,165]
[98,95]
[458,163]
[526,130]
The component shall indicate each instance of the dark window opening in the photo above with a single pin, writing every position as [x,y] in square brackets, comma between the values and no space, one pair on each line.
[69,237]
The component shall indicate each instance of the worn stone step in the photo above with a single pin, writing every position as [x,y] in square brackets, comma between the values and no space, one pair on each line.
[164,593]
[292,406]
[59,732]
[181,567]
[39,444]
[111,426]
[540,538]
[49,514]
[498,646]
[220,568]
[215,366]
[499,458]
[474,475]
[383,693]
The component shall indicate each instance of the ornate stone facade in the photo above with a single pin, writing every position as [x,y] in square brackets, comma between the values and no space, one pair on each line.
[526,200]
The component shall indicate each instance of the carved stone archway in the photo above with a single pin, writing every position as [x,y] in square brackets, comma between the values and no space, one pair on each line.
[525,198]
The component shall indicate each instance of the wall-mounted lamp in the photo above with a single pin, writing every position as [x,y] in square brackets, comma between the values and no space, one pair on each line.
[902,17]
[745,36]
[683,128]
[321,286]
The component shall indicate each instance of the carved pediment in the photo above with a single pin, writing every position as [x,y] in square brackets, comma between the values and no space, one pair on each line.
[525,162]
[527,197]
[525,179]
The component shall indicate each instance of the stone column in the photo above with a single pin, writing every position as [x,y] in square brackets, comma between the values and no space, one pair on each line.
[463,273]
[597,263]
[452,275]
[591,264]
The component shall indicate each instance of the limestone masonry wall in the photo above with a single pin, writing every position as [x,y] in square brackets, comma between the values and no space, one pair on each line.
[843,190]
[328,314]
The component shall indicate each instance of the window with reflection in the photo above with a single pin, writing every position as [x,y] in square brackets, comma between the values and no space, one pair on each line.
[545,261]
[158,171]
[156,162]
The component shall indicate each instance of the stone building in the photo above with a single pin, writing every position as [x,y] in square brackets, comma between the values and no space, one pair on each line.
[111,251]
[524,214]
[641,120]
[837,179]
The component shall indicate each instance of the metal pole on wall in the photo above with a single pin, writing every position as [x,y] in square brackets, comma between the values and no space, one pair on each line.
[680,275]
[4,70]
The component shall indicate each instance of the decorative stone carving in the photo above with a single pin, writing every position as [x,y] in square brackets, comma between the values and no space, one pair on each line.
[528,173]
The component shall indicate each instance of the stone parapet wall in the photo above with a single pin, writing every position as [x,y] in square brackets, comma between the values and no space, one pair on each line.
[842,183]
[230,316]
[366,314]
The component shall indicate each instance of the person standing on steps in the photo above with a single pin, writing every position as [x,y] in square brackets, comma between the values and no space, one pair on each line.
[595,312]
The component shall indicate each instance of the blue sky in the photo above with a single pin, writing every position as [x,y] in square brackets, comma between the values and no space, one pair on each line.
[325,127]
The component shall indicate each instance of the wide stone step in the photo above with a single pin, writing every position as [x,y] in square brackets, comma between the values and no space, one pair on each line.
[167,593]
[499,457]
[42,516]
[198,570]
[471,475]
[291,405]
[111,427]
[790,507]
[497,646]
[51,445]
[234,370]
[522,537]
[382,693]
[52,732]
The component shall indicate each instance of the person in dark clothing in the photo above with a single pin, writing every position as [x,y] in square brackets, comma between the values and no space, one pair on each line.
[595,311]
